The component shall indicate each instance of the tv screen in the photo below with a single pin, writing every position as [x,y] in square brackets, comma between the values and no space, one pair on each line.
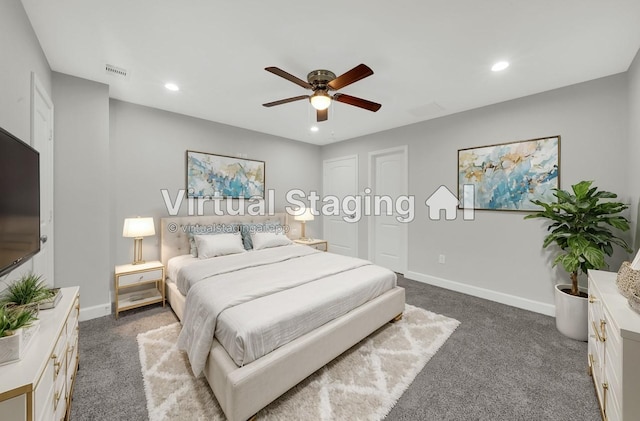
[19,202]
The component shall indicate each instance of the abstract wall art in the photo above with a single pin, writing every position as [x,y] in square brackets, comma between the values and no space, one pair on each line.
[509,176]
[210,175]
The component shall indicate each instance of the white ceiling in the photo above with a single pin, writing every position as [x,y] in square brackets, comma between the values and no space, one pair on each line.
[430,57]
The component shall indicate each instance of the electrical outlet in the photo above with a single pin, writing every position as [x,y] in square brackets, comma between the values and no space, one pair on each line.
[442,259]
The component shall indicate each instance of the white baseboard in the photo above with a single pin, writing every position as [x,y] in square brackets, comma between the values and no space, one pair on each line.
[88,313]
[487,294]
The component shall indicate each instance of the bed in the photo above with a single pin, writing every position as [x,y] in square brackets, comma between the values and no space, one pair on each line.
[245,381]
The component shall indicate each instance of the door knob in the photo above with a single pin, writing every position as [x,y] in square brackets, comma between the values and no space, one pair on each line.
[43,239]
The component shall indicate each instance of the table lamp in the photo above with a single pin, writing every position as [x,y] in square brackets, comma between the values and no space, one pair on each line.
[137,228]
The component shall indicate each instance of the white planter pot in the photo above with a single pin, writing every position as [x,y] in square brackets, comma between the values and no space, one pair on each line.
[10,347]
[571,313]
[14,347]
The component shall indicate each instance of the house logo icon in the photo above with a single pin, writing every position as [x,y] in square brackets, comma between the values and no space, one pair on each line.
[444,199]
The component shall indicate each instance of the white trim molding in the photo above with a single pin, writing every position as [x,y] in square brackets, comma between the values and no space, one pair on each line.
[88,313]
[487,294]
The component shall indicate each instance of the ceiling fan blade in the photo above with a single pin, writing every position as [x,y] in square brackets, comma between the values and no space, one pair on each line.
[284,101]
[289,77]
[357,102]
[322,115]
[359,72]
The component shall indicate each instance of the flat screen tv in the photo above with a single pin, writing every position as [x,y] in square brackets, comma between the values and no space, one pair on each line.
[19,202]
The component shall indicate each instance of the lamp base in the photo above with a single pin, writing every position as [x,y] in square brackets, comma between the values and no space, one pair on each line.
[137,251]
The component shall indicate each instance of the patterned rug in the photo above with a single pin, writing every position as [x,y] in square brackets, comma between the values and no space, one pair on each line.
[363,383]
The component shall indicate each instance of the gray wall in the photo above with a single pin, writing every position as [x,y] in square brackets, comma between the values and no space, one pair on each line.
[81,185]
[634,146]
[21,55]
[499,253]
[148,153]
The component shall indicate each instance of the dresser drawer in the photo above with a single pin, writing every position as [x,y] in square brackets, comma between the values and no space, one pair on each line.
[44,405]
[59,355]
[614,392]
[140,277]
[72,357]
[43,398]
[72,320]
[60,406]
[60,392]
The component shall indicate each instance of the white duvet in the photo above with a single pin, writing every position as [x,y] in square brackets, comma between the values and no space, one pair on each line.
[257,301]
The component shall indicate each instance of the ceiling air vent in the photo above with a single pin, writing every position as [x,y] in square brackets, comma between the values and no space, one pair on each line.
[429,110]
[115,71]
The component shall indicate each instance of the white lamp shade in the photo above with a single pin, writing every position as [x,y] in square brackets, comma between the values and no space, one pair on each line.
[305,216]
[138,227]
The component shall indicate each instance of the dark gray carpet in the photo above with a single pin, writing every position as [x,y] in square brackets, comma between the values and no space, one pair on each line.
[502,363]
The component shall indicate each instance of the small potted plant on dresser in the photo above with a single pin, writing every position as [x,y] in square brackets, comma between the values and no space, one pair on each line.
[30,290]
[18,325]
[581,224]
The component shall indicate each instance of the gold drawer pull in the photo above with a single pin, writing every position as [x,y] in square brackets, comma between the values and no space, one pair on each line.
[590,365]
[603,324]
[592,298]
[597,332]
[56,398]
[605,387]
[56,365]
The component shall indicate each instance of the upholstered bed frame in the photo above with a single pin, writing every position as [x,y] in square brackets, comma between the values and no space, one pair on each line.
[243,391]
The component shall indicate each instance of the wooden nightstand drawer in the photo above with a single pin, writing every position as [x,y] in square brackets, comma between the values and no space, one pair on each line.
[140,277]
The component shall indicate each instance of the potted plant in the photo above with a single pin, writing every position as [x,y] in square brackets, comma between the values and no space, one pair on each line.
[581,224]
[30,290]
[17,326]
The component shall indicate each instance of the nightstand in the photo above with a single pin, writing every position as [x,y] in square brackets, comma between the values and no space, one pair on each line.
[315,243]
[139,285]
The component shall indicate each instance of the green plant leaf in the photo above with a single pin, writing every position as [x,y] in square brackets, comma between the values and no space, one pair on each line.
[581,189]
[581,225]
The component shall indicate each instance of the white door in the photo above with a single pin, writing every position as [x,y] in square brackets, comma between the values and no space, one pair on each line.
[42,141]
[340,179]
[388,176]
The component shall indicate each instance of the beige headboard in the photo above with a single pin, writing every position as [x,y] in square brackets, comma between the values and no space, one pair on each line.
[174,239]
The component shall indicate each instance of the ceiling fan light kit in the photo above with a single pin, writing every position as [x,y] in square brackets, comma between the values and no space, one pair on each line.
[320,100]
[321,82]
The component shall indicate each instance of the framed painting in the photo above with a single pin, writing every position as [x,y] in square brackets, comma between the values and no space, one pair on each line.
[210,175]
[508,176]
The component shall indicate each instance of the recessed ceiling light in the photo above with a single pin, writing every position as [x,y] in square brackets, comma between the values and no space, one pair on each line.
[501,65]
[314,128]
[172,87]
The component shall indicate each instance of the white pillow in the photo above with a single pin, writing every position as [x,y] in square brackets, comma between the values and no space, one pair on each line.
[218,245]
[263,240]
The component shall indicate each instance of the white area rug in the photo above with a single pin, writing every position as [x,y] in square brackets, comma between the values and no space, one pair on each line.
[363,383]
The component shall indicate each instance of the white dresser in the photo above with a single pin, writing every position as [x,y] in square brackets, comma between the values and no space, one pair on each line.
[614,349]
[39,387]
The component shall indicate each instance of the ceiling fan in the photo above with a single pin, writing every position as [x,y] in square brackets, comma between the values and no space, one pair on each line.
[321,82]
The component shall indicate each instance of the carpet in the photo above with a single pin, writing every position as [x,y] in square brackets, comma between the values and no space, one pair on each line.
[363,383]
